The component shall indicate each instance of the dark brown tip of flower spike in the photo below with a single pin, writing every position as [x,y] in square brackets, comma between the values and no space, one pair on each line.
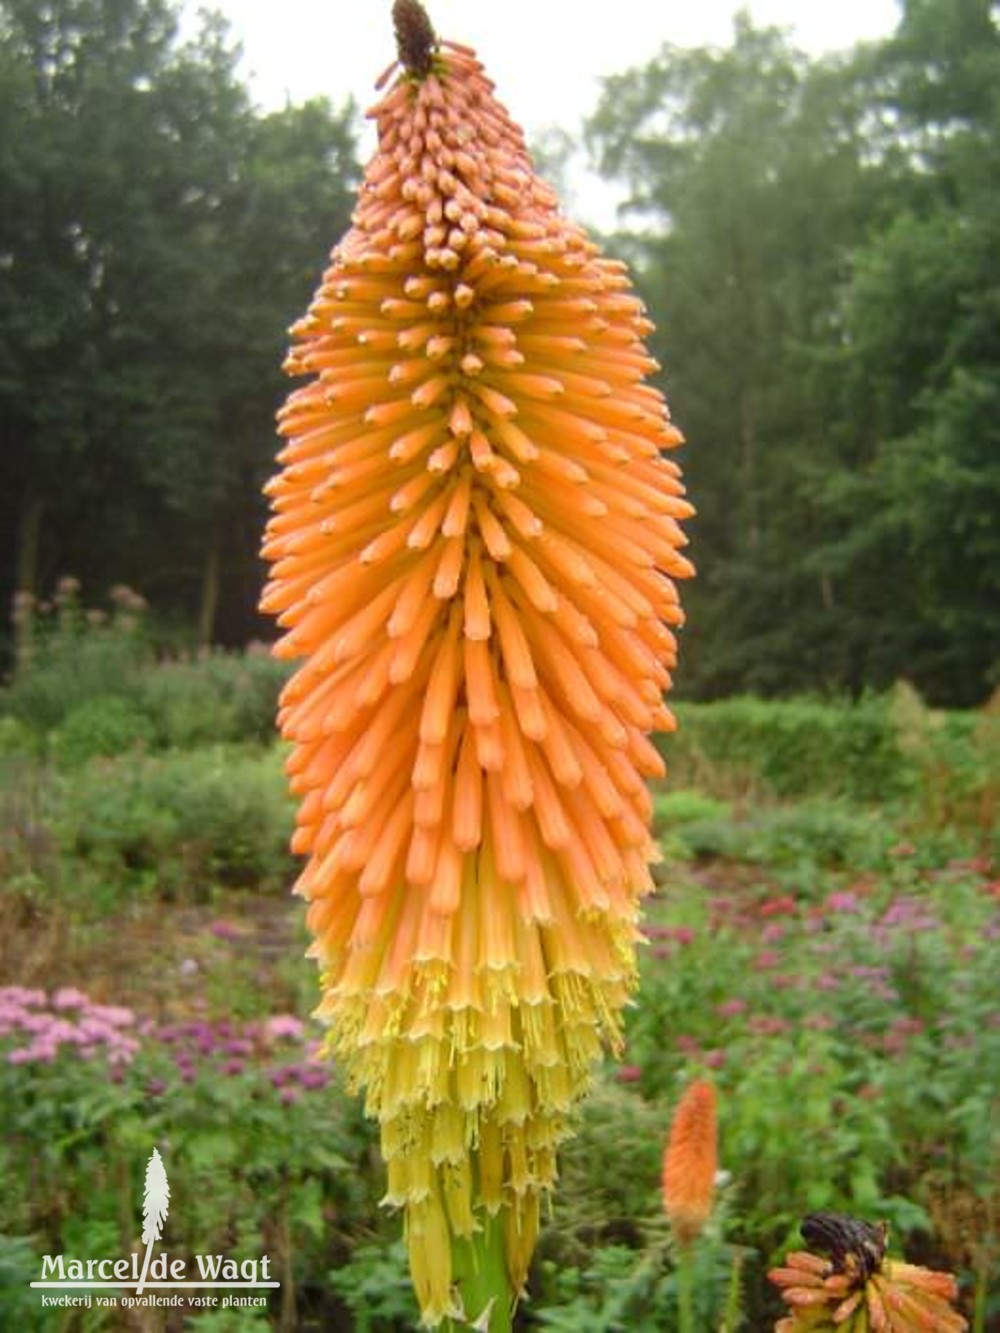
[855,1247]
[415,38]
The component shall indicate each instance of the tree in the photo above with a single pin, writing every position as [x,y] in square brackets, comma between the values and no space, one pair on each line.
[160,236]
[915,376]
[747,165]
[74,77]
[819,247]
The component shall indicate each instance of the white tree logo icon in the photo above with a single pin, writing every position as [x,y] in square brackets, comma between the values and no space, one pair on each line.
[155,1205]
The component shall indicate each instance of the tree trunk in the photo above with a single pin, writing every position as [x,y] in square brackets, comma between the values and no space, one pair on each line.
[26,561]
[29,540]
[209,593]
[748,444]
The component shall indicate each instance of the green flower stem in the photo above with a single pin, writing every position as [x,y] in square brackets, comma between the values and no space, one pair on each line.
[730,1319]
[480,1269]
[685,1289]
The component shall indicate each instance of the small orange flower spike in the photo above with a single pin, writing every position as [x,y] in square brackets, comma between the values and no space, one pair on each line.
[690,1163]
[474,546]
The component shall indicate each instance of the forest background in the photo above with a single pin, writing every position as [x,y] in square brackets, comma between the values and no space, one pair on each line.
[816,239]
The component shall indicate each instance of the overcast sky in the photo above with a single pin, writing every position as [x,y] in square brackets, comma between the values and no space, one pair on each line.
[546,56]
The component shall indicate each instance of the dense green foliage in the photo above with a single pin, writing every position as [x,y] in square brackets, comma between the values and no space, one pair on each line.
[124,773]
[817,241]
[851,1031]
[91,682]
[828,967]
[823,947]
[158,235]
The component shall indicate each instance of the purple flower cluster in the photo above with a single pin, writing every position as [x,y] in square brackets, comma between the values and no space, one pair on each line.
[909,913]
[896,1039]
[692,1047]
[231,1049]
[225,930]
[43,1026]
[876,981]
[845,901]
[768,1025]
[798,965]
[292,1080]
[676,934]
[38,1028]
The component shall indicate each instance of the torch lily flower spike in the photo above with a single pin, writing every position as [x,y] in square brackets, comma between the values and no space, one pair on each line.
[854,1288]
[474,545]
[690,1161]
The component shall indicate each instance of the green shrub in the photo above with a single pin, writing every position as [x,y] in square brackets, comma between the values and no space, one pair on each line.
[17,740]
[185,819]
[674,808]
[792,748]
[216,697]
[20,1307]
[793,838]
[620,1290]
[91,677]
[68,656]
[817,833]
[889,749]
[376,1288]
[609,1175]
[955,758]
[104,725]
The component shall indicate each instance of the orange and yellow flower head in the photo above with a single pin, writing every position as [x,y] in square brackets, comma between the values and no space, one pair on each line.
[474,549]
[690,1161]
[826,1296]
